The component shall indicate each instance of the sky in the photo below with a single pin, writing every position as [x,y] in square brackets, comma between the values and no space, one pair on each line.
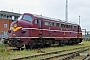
[52,8]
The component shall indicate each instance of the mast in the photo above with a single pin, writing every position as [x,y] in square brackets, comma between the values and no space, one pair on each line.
[66,11]
[79,19]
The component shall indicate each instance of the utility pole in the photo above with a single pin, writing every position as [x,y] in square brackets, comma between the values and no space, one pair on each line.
[79,19]
[66,11]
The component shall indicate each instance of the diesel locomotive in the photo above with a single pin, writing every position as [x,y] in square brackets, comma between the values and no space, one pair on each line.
[32,30]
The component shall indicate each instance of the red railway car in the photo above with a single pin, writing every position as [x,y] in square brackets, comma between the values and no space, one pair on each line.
[33,30]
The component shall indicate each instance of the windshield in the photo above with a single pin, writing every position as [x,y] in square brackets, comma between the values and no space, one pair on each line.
[27,17]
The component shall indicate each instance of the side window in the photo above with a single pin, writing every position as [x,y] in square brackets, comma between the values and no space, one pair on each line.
[46,23]
[57,24]
[53,24]
[75,27]
[13,18]
[0,16]
[67,26]
[62,25]
[70,26]
[5,33]
[49,23]
[5,25]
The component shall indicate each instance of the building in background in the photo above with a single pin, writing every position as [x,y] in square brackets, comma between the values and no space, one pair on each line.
[6,18]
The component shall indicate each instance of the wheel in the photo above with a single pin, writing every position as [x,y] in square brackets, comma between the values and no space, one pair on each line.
[59,43]
[50,43]
[30,45]
[70,42]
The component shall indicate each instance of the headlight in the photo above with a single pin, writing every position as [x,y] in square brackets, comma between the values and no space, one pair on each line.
[9,31]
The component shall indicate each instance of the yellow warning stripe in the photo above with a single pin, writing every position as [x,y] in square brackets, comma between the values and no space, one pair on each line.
[15,29]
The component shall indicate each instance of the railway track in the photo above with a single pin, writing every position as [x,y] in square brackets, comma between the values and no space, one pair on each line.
[83,56]
[57,55]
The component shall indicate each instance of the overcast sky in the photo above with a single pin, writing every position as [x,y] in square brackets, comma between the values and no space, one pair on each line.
[52,8]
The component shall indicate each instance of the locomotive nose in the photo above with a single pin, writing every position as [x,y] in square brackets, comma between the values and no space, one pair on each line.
[18,33]
[15,28]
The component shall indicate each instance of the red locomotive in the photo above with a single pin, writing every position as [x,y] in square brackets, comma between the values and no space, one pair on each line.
[32,30]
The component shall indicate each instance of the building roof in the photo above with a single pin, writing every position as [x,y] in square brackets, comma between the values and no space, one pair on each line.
[9,13]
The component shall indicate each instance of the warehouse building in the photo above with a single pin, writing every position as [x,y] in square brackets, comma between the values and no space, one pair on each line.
[6,18]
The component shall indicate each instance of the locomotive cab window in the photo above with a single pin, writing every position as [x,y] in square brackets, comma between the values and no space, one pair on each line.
[27,17]
[36,21]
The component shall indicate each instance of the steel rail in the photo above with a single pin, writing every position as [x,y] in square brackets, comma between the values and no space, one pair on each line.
[33,56]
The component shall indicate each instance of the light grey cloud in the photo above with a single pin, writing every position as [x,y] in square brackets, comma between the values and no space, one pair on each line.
[52,8]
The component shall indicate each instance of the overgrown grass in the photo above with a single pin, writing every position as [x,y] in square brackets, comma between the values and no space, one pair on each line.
[66,47]
[7,55]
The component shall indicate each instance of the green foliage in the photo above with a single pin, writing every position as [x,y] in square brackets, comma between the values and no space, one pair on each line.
[1,48]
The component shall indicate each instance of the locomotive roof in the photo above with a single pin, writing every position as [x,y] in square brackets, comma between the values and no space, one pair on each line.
[44,17]
[9,13]
[53,19]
